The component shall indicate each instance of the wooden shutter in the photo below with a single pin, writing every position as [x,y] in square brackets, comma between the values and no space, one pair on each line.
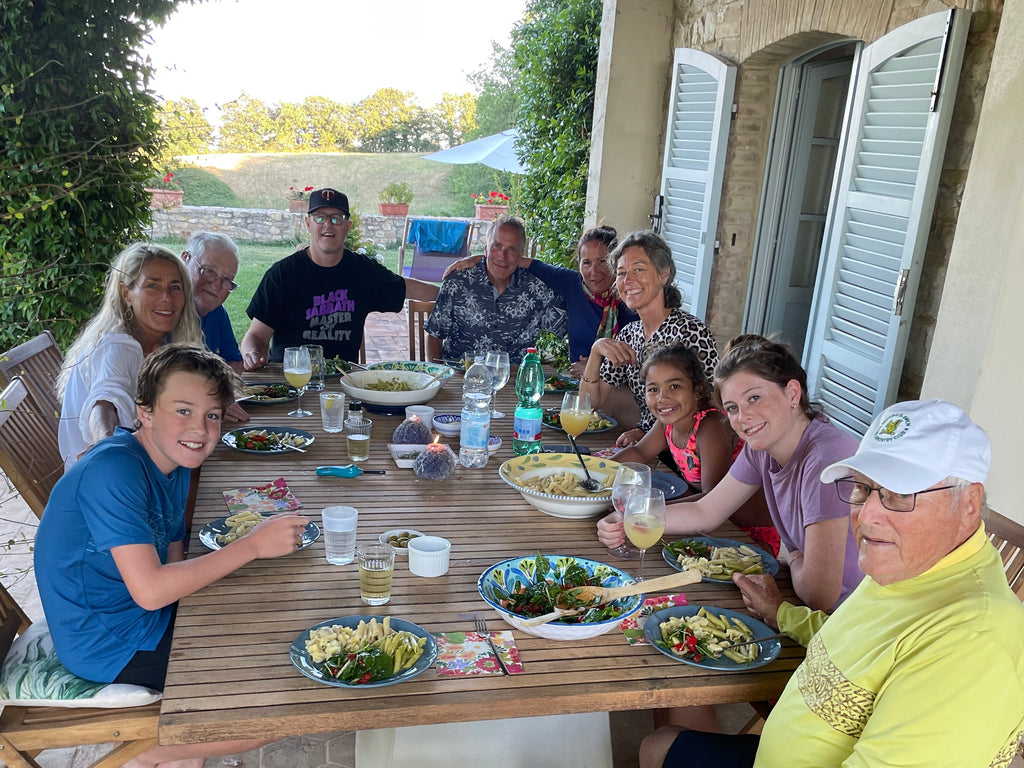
[691,181]
[900,111]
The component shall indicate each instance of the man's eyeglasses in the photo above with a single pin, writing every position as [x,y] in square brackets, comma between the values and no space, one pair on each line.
[335,220]
[211,275]
[856,493]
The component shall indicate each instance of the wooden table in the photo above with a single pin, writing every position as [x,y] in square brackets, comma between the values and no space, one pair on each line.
[230,676]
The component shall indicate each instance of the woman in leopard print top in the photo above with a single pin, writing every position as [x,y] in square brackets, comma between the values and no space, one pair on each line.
[644,274]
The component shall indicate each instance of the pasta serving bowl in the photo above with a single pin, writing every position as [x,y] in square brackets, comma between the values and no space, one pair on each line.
[534,476]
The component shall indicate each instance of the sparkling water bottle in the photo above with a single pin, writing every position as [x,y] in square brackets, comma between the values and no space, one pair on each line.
[529,415]
[476,415]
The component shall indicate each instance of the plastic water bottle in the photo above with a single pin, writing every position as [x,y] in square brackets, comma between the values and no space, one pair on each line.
[529,415]
[476,415]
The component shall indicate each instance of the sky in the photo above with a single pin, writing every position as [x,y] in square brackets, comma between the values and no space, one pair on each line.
[285,50]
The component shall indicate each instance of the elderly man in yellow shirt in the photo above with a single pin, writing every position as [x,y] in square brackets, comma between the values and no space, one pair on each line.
[923,665]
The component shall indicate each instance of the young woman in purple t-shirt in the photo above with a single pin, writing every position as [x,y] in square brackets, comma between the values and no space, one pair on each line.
[763,390]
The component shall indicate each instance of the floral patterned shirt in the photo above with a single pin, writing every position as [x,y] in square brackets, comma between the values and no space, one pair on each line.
[678,326]
[470,315]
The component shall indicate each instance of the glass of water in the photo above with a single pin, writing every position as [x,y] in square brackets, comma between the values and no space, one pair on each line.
[498,365]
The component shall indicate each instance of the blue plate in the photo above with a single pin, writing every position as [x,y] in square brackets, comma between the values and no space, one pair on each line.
[673,487]
[768,649]
[231,439]
[564,384]
[550,412]
[770,564]
[209,532]
[300,656]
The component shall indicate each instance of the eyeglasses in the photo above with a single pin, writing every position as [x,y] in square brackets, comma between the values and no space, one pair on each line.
[335,220]
[856,493]
[207,273]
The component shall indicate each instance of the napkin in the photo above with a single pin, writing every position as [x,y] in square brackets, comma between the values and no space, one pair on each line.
[633,627]
[605,453]
[269,497]
[462,654]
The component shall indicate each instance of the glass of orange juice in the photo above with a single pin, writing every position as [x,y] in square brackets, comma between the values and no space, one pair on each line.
[644,520]
[297,370]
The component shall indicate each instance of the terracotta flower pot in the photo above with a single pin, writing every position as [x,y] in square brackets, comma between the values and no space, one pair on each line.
[298,206]
[393,209]
[165,198]
[490,212]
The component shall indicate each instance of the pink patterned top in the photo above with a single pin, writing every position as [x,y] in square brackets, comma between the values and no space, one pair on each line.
[687,458]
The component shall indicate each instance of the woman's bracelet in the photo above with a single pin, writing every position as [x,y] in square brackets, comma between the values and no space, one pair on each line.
[590,381]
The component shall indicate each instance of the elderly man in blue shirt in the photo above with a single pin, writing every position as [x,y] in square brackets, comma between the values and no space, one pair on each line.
[494,305]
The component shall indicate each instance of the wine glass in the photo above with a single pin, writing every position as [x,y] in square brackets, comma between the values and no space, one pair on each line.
[497,364]
[575,414]
[297,369]
[645,521]
[630,478]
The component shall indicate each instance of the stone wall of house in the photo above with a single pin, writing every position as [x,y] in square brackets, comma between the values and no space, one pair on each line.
[270,226]
[760,36]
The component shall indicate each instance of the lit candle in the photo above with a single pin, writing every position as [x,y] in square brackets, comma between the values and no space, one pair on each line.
[435,463]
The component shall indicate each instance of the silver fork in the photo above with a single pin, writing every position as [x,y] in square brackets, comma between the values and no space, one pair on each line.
[481,628]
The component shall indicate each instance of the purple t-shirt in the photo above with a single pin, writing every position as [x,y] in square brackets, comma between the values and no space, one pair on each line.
[795,494]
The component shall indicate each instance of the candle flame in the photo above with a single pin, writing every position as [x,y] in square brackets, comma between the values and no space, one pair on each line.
[437,440]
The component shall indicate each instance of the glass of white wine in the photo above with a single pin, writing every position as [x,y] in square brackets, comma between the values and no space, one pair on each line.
[645,522]
[297,370]
[630,478]
[497,363]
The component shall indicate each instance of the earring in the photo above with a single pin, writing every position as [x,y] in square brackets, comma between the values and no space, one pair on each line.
[129,316]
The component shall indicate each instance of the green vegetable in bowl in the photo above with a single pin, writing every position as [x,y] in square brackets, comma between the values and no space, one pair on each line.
[364,666]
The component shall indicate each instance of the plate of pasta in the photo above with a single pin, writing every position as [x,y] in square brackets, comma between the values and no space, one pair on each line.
[224,530]
[550,482]
[363,651]
[712,638]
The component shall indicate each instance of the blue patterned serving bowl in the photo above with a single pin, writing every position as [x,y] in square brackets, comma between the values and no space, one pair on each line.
[506,575]
[522,472]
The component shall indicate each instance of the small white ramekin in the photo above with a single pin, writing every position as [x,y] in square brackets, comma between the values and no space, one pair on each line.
[429,555]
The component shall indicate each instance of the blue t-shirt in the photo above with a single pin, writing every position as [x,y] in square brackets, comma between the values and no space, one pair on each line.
[220,336]
[584,314]
[114,495]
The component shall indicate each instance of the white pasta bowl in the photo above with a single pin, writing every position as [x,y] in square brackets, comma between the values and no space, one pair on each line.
[357,383]
[523,472]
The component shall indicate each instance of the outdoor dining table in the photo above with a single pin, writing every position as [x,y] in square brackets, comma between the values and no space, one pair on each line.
[230,676]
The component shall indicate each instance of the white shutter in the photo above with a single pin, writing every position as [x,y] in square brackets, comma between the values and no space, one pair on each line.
[900,111]
[691,181]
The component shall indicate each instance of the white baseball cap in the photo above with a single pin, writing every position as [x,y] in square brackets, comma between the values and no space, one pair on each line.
[912,446]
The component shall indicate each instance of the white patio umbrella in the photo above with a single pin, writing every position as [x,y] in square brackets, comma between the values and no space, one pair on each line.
[496,151]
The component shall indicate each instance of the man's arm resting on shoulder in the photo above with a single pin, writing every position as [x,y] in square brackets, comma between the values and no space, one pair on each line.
[256,345]
[419,290]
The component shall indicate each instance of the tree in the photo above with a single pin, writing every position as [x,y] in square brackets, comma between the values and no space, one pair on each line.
[455,115]
[497,101]
[79,130]
[185,128]
[378,117]
[556,54]
[249,126]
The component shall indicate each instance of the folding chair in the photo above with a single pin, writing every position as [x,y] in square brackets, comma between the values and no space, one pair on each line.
[1008,539]
[38,362]
[29,455]
[419,311]
[27,731]
[437,243]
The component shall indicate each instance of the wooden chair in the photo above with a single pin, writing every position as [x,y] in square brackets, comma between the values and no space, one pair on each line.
[29,455]
[1008,539]
[38,362]
[419,311]
[27,731]
[426,264]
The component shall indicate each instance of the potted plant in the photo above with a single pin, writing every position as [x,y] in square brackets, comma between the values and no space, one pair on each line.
[164,191]
[489,207]
[395,199]
[298,198]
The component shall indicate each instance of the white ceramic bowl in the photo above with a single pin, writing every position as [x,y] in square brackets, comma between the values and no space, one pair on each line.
[493,444]
[429,556]
[398,451]
[413,365]
[399,551]
[354,386]
[448,424]
[504,576]
[538,465]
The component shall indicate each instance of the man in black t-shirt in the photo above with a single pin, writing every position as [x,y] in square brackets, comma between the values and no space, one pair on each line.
[322,294]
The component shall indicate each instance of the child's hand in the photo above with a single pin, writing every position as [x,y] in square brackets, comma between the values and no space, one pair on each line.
[610,531]
[277,535]
[629,437]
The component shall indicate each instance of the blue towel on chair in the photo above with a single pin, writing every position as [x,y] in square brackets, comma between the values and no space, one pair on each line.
[438,236]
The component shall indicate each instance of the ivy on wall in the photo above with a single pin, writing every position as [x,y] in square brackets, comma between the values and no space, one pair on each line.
[79,130]
[556,49]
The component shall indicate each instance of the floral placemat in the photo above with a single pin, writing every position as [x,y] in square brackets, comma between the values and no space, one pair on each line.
[269,497]
[605,453]
[462,654]
[633,627]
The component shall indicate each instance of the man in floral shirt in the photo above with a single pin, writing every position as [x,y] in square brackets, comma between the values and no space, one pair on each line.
[494,305]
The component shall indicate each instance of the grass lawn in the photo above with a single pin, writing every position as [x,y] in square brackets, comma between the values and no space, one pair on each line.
[256,258]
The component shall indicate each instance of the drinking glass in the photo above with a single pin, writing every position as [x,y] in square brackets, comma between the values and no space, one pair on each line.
[497,364]
[630,478]
[575,414]
[645,521]
[316,361]
[297,370]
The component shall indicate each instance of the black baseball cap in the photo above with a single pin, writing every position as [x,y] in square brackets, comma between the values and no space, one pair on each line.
[328,198]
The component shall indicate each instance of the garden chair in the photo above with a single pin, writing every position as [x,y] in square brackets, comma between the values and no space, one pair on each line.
[419,311]
[29,455]
[25,731]
[1008,539]
[437,243]
[38,362]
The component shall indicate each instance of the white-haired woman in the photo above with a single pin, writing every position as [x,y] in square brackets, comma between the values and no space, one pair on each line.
[147,302]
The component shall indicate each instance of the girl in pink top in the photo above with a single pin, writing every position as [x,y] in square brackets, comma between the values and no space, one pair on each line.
[696,433]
